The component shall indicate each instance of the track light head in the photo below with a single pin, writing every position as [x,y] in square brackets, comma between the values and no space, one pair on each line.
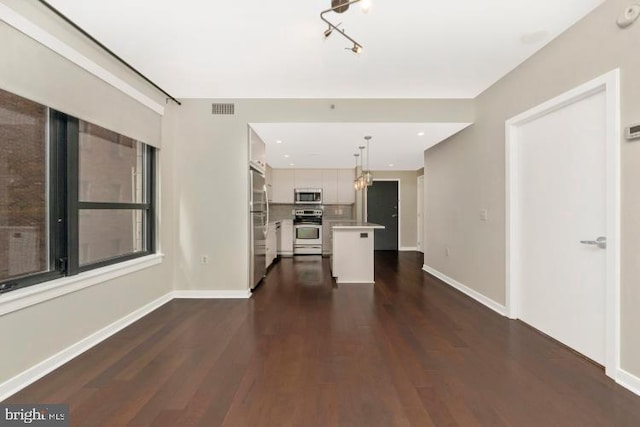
[340,6]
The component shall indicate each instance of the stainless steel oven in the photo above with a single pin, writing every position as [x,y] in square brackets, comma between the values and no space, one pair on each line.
[307,196]
[307,232]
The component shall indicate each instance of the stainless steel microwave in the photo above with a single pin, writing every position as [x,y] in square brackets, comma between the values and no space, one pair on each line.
[307,196]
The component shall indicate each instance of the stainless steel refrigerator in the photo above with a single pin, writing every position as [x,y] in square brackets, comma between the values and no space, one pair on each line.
[259,213]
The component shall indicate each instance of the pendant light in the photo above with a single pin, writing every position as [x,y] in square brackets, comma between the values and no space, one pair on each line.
[361,180]
[356,181]
[367,175]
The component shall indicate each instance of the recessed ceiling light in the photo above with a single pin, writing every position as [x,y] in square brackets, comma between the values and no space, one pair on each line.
[292,164]
[278,142]
[286,156]
[420,133]
[390,165]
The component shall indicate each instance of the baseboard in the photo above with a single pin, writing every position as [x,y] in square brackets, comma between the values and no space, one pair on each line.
[408,249]
[353,282]
[38,371]
[628,381]
[498,308]
[212,294]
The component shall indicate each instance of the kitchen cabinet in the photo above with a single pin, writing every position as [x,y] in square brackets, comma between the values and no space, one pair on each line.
[272,243]
[346,192]
[329,186]
[308,178]
[327,237]
[282,185]
[336,184]
[257,151]
[352,252]
[285,243]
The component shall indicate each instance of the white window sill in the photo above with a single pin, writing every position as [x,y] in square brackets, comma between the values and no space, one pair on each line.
[36,294]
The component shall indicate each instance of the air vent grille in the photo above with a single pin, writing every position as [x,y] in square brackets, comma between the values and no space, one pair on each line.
[223,109]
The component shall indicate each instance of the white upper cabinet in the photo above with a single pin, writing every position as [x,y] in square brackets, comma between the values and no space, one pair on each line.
[308,178]
[330,186]
[346,192]
[282,185]
[257,151]
[336,184]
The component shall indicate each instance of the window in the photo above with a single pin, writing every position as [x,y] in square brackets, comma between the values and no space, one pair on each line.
[114,203]
[24,198]
[73,196]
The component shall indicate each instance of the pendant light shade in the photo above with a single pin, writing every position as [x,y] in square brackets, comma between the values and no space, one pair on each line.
[367,175]
[368,178]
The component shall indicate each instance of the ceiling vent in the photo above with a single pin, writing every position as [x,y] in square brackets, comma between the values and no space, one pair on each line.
[223,109]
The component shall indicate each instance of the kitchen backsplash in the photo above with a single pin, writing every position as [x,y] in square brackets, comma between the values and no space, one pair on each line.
[278,212]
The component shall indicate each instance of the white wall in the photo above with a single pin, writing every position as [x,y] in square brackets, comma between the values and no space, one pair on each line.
[467,172]
[211,185]
[33,334]
[33,71]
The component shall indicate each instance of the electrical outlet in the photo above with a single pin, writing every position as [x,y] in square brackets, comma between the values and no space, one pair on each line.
[484,215]
[204,260]
[446,251]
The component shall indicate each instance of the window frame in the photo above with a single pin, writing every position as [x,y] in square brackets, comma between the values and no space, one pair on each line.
[75,206]
[64,205]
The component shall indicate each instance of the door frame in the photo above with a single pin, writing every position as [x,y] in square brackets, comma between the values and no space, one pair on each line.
[366,202]
[420,213]
[608,83]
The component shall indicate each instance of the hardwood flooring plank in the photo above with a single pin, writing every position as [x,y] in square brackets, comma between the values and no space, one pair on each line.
[304,351]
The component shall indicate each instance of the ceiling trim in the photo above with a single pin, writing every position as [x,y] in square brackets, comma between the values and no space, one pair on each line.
[28,28]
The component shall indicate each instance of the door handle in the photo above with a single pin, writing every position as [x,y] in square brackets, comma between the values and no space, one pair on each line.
[394,216]
[600,242]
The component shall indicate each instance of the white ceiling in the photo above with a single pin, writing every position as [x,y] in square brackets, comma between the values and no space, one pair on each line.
[332,145]
[276,49]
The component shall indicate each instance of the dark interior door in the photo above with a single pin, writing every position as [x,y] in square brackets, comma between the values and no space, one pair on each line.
[382,208]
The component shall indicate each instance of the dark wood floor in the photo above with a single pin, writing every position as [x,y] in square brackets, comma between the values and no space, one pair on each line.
[305,352]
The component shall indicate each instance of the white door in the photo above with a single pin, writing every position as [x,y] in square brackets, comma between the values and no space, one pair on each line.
[420,211]
[562,197]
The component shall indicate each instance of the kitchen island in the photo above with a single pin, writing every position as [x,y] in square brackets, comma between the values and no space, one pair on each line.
[352,251]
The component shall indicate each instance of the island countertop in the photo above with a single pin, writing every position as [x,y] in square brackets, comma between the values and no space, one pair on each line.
[356,224]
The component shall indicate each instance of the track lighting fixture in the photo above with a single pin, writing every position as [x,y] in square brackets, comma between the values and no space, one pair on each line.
[329,30]
[341,6]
